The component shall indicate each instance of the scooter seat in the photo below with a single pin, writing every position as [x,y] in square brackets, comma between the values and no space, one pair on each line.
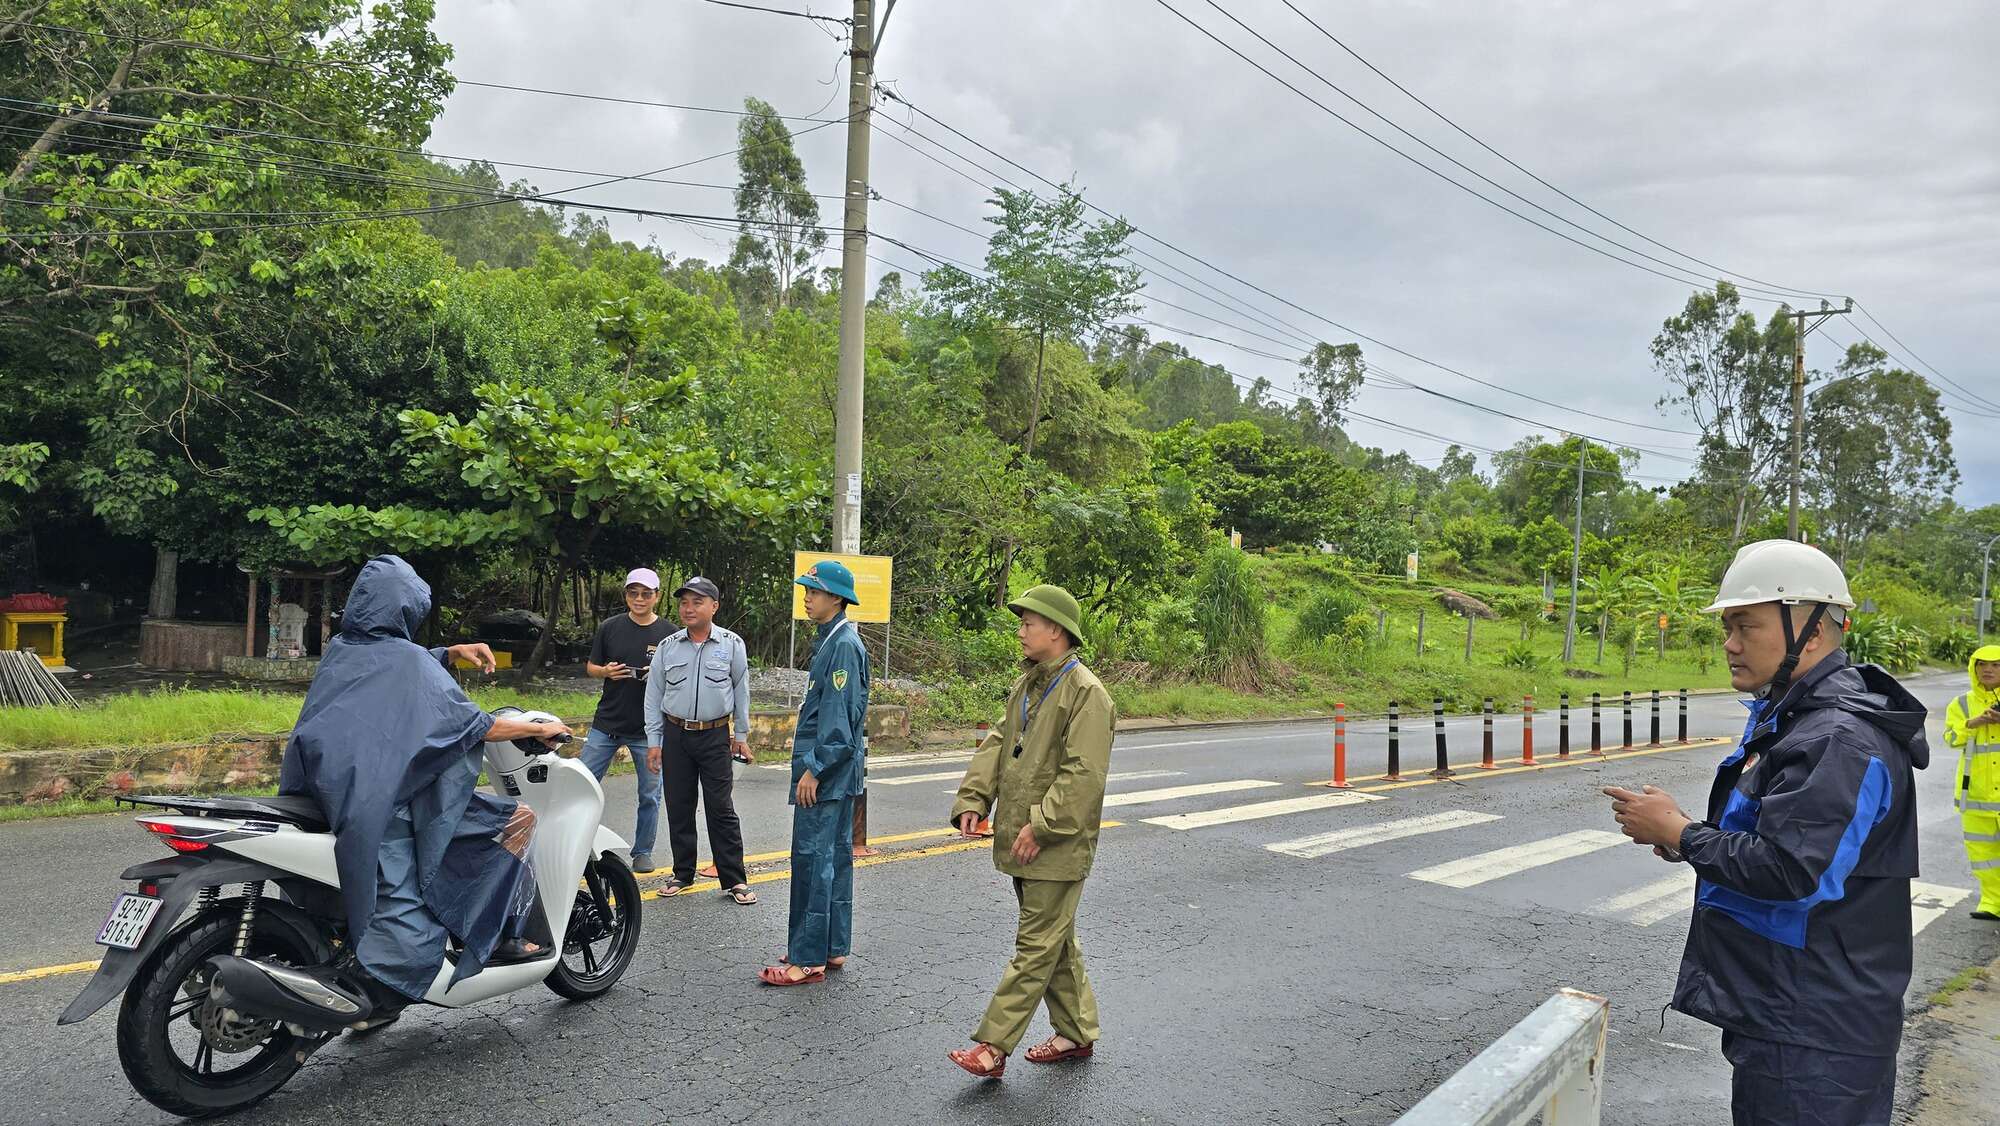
[293,809]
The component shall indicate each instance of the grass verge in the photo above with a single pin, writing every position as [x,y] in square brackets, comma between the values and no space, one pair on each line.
[1959,983]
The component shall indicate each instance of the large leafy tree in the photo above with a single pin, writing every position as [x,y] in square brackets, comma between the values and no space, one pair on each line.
[548,476]
[778,215]
[1878,449]
[179,187]
[1733,377]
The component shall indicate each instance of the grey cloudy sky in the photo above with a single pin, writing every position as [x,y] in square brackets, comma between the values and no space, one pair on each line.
[1847,148]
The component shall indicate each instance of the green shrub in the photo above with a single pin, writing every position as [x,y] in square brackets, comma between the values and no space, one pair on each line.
[1954,644]
[1327,615]
[1520,655]
[1884,639]
[1229,612]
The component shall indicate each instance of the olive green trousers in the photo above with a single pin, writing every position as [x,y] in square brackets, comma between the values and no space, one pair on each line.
[1047,967]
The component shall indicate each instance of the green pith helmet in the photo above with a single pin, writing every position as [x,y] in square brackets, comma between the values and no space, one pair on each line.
[1055,604]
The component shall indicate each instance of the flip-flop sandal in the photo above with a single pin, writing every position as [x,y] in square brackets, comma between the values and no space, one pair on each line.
[670,886]
[779,975]
[707,871]
[742,894]
[517,950]
[1042,1053]
[839,963]
[968,1058]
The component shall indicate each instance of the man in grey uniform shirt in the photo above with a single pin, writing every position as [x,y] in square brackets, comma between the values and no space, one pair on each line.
[699,685]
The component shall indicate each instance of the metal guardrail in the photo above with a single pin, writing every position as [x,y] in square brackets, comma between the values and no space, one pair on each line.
[1550,1065]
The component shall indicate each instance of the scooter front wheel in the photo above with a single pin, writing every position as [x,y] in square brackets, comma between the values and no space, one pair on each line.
[603,931]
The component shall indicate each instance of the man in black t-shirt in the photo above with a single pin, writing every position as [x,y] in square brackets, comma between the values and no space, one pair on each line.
[621,656]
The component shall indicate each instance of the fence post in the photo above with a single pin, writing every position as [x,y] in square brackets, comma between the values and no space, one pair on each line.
[1628,719]
[1382,625]
[1596,728]
[1469,619]
[1420,634]
[1340,781]
[1528,730]
[1395,749]
[1562,730]
[1437,725]
[1684,715]
[1486,734]
[1654,730]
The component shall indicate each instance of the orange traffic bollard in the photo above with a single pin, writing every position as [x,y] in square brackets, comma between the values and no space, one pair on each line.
[1340,781]
[1528,730]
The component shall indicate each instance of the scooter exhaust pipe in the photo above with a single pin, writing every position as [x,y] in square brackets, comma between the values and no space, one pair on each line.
[313,999]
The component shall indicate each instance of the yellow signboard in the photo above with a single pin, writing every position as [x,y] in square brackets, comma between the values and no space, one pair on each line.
[872,575]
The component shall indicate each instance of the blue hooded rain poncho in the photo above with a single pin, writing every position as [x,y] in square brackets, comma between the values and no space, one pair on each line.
[390,746]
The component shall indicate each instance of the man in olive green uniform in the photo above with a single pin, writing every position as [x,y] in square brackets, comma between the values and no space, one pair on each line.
[1041,774]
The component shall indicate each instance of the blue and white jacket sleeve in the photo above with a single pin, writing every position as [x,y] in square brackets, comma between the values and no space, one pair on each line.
[839,731]
[1800,842]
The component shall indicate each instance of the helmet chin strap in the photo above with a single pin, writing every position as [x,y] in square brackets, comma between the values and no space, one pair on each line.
[1795,645]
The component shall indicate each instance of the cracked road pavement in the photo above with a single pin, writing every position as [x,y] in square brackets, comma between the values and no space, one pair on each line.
[1333,979]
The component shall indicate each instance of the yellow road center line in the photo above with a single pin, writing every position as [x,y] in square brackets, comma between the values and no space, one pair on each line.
[47,971]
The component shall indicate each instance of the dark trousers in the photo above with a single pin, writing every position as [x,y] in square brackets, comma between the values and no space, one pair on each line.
[701,758]
[1777,1084]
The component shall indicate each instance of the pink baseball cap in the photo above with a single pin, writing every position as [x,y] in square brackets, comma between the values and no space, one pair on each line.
[644,576]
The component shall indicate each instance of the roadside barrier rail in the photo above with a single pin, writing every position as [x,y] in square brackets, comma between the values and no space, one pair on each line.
[1550,1066]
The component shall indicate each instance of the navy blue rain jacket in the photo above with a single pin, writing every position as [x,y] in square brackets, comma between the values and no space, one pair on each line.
[830,743]
[384,726]
[1801,930]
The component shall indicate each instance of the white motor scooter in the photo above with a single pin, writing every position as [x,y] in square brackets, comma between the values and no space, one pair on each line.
[223,1007]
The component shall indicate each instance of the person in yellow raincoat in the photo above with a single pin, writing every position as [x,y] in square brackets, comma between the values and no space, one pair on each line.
[1972,724]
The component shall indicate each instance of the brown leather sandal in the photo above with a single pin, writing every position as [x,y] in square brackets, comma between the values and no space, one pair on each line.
[1047,1052]
[782,975]
[969,1059]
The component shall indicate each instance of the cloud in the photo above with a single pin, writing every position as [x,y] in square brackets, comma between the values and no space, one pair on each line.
[1850,153]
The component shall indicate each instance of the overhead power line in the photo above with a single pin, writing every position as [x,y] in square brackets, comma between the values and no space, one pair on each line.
[1512,163]
[1683,277]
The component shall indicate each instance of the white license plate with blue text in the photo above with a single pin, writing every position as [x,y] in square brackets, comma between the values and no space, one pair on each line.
[129,918]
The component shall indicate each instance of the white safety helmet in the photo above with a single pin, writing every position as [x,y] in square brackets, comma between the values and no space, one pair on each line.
[1790,574]
[1781,571]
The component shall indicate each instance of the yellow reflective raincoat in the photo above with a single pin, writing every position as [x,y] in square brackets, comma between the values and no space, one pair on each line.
[1977,790]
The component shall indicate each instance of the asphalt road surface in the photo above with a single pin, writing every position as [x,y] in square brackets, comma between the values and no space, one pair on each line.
[1263,949]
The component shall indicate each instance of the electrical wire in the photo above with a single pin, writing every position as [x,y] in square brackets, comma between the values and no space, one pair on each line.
[1512,163]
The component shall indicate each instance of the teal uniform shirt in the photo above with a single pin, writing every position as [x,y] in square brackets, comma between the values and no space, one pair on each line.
[829,743]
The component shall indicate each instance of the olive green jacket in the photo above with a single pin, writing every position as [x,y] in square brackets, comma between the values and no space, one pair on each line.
[1056,784]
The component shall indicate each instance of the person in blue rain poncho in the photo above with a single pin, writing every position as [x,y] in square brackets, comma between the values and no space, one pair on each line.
[829,761]
[390,746]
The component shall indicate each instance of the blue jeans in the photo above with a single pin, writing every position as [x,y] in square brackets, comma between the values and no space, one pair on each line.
[599,748]
[822,916]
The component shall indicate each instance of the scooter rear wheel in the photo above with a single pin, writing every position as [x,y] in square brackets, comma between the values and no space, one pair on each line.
[171,1059]
[603,931]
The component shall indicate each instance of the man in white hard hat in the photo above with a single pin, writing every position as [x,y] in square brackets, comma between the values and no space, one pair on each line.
[1799,949]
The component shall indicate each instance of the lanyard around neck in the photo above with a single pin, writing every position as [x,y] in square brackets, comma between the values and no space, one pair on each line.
[1057,679]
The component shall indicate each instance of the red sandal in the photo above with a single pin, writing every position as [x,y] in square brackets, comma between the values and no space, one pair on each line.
[968,1058]
[1043,1053]
[781,975]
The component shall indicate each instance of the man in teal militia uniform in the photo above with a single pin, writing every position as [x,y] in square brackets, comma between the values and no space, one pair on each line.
[829,759]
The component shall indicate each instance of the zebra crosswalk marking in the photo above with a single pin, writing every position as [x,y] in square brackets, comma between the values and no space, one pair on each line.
[1340,840]
[1229,815]
[1487,866]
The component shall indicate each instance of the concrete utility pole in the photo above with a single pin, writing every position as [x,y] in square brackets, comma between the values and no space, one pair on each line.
[1575,555]
[1818,317]
[1985,607]
[853,286]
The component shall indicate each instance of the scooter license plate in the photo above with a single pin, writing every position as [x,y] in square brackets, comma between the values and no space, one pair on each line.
[127,923]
